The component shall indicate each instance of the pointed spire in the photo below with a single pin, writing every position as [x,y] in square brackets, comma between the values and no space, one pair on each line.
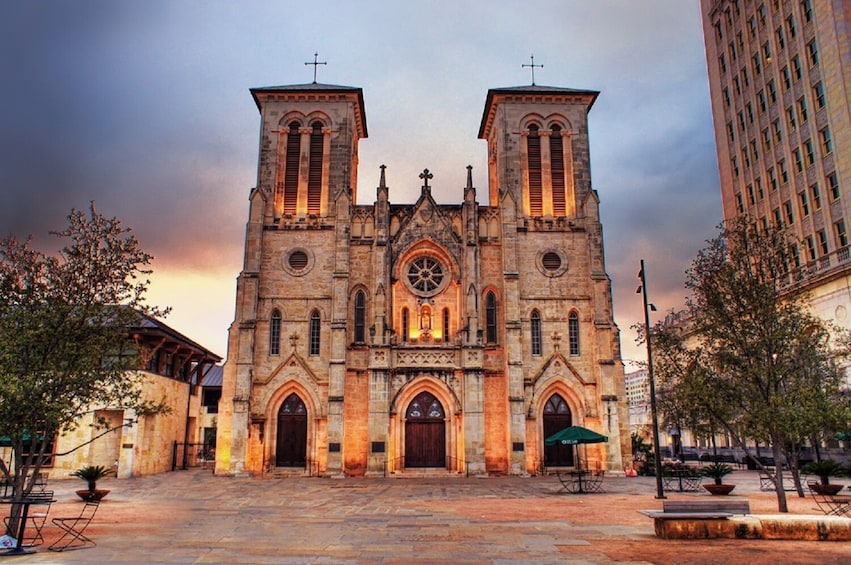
[381,183]
[469,176]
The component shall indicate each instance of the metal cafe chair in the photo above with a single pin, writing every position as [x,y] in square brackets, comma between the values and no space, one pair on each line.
[73,529]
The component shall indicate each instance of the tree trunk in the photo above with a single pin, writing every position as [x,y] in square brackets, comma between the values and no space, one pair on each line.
[778,475]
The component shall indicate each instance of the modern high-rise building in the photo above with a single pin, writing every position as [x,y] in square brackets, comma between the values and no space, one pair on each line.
[780,85]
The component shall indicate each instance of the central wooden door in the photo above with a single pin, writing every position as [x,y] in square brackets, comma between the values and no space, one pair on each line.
[425,432]
[556,418]
[291,447]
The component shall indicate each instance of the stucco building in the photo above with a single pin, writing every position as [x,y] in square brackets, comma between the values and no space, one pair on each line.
[391,338]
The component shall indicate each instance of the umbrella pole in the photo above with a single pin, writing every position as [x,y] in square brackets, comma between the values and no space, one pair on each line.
[579,467]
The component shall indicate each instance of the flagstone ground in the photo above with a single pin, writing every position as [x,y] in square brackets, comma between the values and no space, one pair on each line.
[195,517]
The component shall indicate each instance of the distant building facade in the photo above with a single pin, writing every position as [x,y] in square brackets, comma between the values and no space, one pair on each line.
[637,388]
[779,76]
[391,338]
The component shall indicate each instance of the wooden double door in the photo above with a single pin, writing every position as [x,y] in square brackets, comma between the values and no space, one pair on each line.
[425,432]
[291,445]
[557,417]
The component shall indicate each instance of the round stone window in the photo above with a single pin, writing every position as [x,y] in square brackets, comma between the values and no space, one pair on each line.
[425,275]
[551,262]
[298,262]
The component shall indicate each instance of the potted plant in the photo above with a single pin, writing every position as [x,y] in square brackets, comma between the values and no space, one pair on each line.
[92,474]
[824,469]
[717,471]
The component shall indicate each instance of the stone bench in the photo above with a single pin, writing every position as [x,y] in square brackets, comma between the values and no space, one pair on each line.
[689,519]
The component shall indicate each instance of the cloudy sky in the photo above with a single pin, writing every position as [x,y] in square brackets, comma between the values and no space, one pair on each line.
[144,108]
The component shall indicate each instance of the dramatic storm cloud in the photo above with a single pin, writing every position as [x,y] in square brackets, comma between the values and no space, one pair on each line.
[144,108]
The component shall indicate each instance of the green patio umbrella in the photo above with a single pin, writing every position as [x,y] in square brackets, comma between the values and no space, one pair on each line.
[574,435]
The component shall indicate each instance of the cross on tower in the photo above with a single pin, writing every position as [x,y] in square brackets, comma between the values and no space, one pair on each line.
[294,340]
[532,66]
[425,175]
[316,62]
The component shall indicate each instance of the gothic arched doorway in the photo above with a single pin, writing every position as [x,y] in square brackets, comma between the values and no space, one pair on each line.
[425,432]
[291,445]
[556,418]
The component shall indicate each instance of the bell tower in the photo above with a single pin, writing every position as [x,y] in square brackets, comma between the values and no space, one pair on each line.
[538,148]
[308,148]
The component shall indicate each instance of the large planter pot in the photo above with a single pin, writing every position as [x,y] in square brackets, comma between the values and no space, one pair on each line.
[719,490]
[827,489]
[91,495]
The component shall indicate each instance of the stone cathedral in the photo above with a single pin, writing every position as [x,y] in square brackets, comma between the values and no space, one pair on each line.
[387,339]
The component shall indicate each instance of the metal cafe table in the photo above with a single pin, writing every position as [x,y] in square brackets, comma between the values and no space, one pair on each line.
[24,504]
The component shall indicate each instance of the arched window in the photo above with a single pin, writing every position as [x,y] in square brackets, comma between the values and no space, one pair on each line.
[275,333]
[490,318]
[557,168]
[405,325]
[573,333]
[536,332]
[533,154]
[314,333]
[445,328]
[291,174]
[314,177]
[360,317]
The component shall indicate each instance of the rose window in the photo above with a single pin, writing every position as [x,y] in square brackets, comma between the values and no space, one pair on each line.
[425,275]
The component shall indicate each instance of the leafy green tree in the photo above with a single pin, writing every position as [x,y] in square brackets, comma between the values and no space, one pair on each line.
[64,342]
[765,364]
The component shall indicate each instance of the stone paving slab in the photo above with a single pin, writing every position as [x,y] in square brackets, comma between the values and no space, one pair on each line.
[195,517]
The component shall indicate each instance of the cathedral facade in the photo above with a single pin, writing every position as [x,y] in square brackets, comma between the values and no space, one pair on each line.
[396,338]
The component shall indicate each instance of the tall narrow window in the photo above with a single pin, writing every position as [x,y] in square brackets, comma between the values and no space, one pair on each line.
[445,328]
[841,234]
[533,147]
[826,141]
[360,317]
[573,333]
[314,333]
[405,325]
[536,332]
[490,317]
[275,333]
[314,178]
[833,186]
[822,242]
[557,166]
[291,175]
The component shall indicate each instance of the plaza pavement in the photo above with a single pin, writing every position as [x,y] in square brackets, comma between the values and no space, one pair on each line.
[195,517]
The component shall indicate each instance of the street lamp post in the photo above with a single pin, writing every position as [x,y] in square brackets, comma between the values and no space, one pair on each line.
[660,493]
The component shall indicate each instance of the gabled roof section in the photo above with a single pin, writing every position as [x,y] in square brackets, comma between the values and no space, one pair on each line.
[556,91]
[428,220]
[258,93]
[149,328]
[214,376]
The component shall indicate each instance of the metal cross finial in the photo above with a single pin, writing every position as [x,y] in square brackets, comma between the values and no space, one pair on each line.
[425,175]
[532,66]
[316,62]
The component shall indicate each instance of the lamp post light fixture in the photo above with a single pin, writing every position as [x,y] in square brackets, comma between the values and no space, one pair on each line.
[660,493]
